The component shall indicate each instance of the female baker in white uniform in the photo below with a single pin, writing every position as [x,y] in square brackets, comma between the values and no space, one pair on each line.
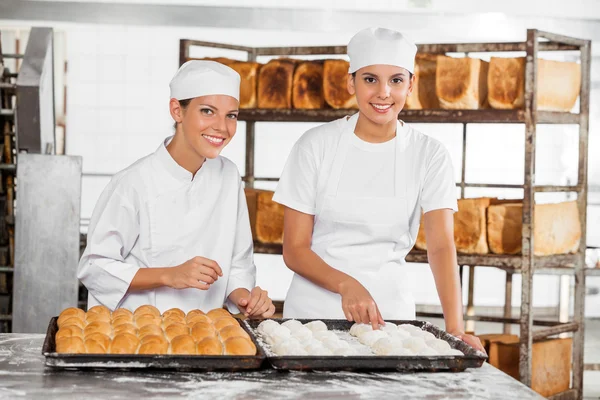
[172,230]
[354,190]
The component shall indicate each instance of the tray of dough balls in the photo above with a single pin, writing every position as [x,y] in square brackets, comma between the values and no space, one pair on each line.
[342,345]
[145,338]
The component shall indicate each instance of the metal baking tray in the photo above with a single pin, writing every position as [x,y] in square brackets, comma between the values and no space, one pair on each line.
[471,359]
[137,361]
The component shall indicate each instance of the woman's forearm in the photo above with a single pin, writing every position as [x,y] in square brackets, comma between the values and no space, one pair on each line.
[447,281]
[148,278]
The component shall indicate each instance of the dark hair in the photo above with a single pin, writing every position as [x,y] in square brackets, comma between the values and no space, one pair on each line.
[184,104]
[410,74]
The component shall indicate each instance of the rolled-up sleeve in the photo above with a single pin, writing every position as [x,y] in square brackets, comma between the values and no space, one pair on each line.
[113,231]
[243,271]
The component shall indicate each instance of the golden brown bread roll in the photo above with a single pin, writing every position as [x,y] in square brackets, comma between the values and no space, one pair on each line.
[122,313]
[123,319]
[69,331]
[174,312]
[146,309]
[99,310]
[308,86]
[174,330]
[124,328]
[218,313]
[70,345]
[147,319]
[183,344]
[210,346]
[69,313]
[98,326]
[101,338]
[191,321]
[249,81]
[150,330]
[93,317]
[223,322]
[124,343]
[94,347]
[153,344]
[232,331]
[195,312]
[275,81]
[202,330]
[239,346]
[335,84]
[74,321]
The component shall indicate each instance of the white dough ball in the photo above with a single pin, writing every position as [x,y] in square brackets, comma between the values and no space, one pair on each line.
[324,335]
[400,334]
[424,334]
[284,345]
[302,333]
[358,329]
[347,351]
[389,327]
[316,326]
[267,326]
[384,345]
[428,351]
[414,344]
[369,338]
[292,324]
[295,351]
[278,334]
[317,349]
[409,328]
[399,352]
[439,345]
[334,344]
[453,352]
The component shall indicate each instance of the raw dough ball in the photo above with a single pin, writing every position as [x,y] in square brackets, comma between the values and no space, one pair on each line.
[278,334]
[385,345]
[292,324]
[428,351]
[267,326]
[348,351]
[358,329]
[438,345]
[324,335]
[302,333]
[316,348]
[414,344]
[409,328]
[400,352]
[369,338]
[294,351]
[285,346]
[453,352]
[389,327]
[316,326]
[400,334]
[424,334]
[334,344]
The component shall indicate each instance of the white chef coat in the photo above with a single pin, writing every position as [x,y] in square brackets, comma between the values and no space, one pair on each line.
[367,200]
[155,214]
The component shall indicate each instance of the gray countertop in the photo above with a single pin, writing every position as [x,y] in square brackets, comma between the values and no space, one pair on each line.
[24,375]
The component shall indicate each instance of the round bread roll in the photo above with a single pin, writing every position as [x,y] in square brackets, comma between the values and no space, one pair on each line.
[202,330]
[99,310]
[218,313]
[124,343]
[174,312]
[232,331]
[93,317]
[69,331]
[153,346]
[98,326]
[150,330]
[94,347]
[226,321]
[210,346]
[69,313]
[191,321]
[101,338]
[147,319]
[70,345]
[122,312]
[175,330]
[123,319]
[183,344]
[196,311]
[124,328]
[172,320]
[146,309]
[74,321]
[239,346]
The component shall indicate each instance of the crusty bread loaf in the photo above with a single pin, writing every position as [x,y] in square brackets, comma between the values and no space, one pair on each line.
[210,346]
[249,82]
[175,313]
[412,100]
[307,90]
[461,83]
[239,346]
[558,84]
[335,84]
[470,229]
[424,95]
[183,344]
[175,330]
[275,82]
[124,343]
[225,321]
[146,309]
[556,228]
[70,313]
[269,218]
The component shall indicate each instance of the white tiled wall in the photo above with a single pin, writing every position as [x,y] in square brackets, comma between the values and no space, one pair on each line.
[118,112]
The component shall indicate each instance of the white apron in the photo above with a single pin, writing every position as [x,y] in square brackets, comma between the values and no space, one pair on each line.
[364,237]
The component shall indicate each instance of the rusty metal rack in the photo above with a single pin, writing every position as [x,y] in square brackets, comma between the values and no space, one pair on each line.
[525,263]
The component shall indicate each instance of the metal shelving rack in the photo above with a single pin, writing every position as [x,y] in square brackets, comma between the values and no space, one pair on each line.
[525,263]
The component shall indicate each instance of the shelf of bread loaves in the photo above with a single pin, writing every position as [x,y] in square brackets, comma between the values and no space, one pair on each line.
[487,232]
[447,89]
[146,331]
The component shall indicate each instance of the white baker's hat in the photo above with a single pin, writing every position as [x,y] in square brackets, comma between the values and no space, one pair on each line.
[381,46]
[198,78]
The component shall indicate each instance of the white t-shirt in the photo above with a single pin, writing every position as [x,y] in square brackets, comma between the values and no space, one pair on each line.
[368,168]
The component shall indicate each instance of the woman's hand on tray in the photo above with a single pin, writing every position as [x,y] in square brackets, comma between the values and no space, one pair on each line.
[254,304]
[358,304]
[471,340]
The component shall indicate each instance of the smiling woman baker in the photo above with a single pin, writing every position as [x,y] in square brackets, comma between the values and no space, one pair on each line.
[172,230]
[354,190]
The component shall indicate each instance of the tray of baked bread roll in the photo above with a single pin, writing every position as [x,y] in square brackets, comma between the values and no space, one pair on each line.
[341,345]
[146,338]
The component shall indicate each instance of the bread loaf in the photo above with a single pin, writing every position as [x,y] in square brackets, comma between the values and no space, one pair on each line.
[269,218]
[308,86]
[558,84]
[335,84]
[424,95]
[249,81]
[461,83]
[275,82]
[556,228]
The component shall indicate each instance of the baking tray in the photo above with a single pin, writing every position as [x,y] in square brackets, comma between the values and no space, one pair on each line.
[137,361]
[471,359]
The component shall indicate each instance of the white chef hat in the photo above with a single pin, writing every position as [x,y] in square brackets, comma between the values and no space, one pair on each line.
[381,46]
[198,78]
